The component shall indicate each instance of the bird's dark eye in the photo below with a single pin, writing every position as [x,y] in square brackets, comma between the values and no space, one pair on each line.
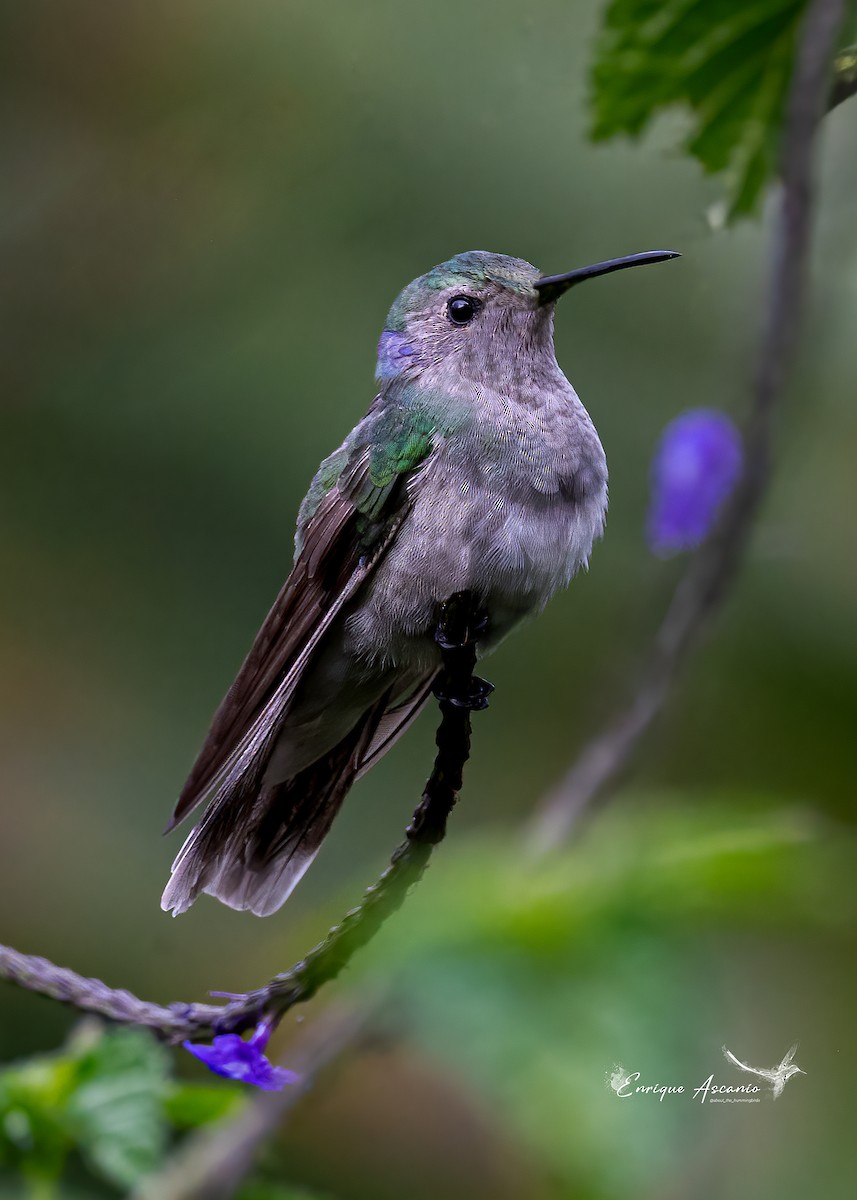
[461,309]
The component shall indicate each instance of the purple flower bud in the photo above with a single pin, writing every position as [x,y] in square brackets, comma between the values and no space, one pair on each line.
[696,466]
[231,1056]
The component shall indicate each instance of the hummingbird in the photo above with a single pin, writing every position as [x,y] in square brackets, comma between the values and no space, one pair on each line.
[476,469]
[777,1076]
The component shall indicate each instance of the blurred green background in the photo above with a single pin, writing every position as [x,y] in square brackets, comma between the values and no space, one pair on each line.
[206,210]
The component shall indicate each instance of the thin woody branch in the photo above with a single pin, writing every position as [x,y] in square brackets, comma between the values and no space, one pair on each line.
[712,571]
[458,693]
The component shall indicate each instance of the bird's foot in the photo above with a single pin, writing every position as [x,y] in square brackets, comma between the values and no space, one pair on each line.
[460,622]
[473,695]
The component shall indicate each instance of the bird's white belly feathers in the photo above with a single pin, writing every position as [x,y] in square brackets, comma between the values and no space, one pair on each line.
[513,541]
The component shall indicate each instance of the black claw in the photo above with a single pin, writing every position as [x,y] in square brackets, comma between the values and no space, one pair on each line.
[459,624]
[474,698]
[466,636]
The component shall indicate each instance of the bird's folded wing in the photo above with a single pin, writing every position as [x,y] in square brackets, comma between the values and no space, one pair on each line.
[342,541]
[396,721]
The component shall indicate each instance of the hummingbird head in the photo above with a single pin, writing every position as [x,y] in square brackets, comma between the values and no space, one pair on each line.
[454,315]
[480,315]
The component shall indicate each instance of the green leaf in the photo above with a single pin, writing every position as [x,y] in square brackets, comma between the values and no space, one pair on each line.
[190,1105]
[102,1095]
[728,61]
[34,1140]
[116,1111]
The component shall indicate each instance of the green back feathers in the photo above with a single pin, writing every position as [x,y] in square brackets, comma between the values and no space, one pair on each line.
[389,443]
[401,446]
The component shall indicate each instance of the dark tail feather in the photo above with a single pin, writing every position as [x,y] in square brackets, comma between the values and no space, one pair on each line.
[251,852]
[395,722]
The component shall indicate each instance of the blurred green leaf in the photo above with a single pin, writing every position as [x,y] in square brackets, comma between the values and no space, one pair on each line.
[102,1095]
[531,981]
[34,1140]
[729,61]
[656,860]
[116,1110]
[189,1105]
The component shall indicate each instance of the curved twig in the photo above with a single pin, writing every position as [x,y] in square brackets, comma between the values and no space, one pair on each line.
[703,588]
[458,628]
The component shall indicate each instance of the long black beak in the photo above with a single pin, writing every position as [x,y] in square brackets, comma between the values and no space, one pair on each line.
[551,287]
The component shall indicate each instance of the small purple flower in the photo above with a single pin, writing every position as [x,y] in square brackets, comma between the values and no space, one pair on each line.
[231,1056]
[696,465]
